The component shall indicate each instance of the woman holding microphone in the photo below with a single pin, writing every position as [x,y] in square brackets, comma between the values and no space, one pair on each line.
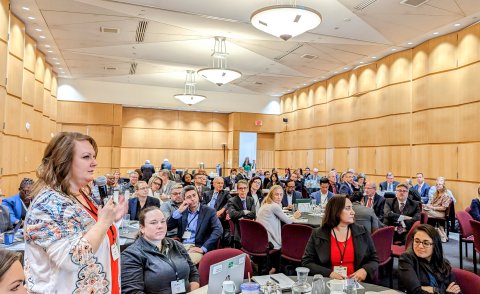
[71,243]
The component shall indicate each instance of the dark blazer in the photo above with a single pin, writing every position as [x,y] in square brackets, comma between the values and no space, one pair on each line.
[209,228]
[317,252]
[475,209]
[317,196]
[133,206]
[413,274]
[259,196]
[414,195]
[378,205]
[228,182]
[201,191]
[392,212]
[383,185]
[296,195]
[423,192]
[236,212]
[345,189]
[337,186]
[222,199]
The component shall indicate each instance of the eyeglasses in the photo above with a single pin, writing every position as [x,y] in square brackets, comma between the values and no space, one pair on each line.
[257,182]
[402,191]
[176,193]
[242,188]
[143,188]
[425,243]
[157,183]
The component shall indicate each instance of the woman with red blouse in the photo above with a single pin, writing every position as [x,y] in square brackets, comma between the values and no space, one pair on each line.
[352,252]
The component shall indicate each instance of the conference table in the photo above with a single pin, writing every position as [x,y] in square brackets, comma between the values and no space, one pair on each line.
[368,288]
[308,218]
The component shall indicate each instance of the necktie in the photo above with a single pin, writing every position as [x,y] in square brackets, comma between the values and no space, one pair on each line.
[389,187]
[419,189]
[214,200]
[402,206]
[334,189]
[244,203]
[369,202]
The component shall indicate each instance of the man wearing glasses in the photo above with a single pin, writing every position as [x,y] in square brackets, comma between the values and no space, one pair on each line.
[169,206]
[290,197]
[401,212]
[241,206]
[18,204]
[373,200]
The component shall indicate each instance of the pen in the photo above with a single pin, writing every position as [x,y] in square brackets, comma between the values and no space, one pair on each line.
[275,280]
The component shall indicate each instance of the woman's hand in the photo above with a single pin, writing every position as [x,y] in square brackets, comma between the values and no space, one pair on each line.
[427,289]
[194,286]
[453,288]
[359,275]
[106,214]
[121,208]
[336,276]
[297,214]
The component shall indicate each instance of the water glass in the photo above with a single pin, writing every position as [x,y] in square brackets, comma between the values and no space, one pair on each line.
[351,287]
[125,223]
[318,285]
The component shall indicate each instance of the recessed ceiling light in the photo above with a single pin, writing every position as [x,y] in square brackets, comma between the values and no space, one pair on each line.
[361,62]
[394,49]
[31,17]
[436,33]
[25,8]
[50,51]
[60,68]
[47,46]
[409,43]
[345,68]
[304,84]
[54,58]
[456,25]
[315,80]
[38,30]
[42,37]
[374,57]
[57,63]
[322,77]
[335,72]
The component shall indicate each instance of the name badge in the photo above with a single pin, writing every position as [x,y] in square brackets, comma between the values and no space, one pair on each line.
[115,252]
[187,234]
[341,270]
[178,286]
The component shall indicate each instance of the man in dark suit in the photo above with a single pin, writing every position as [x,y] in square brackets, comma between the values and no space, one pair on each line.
[323,195]
[199,181]
[390,184]
[241,206]
[422,187]
[347,186]
[404,207]
[241,175]
[198,225]
[231,180]
[291,195]
[297,181]
[373,200]
[218,199]
[334,186]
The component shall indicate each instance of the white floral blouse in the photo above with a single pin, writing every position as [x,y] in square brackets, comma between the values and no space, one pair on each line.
[57,257]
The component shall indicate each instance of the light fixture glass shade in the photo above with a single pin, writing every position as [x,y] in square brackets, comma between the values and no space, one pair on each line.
[219,74]
[189,97]
[285,21]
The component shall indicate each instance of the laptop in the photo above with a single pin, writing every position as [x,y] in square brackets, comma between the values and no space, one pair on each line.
[230,269]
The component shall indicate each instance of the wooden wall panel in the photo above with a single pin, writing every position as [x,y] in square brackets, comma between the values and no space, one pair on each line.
[468,49]
[14,76]
[339,86]
[46,103]
[13,108]
[420,60]
[366,78]
[467,122]
[320,115]
[36,122]
[28,87]
[266,141]
[337,158]
[400,66]
[442,53]
[435,160]
[305,118]
[383,72]
[468,159]
[47,80]
[4,19]
[3,62]
[194,121]
[443,89]
[29,57]
[3,97]
[468,85]
[40,66]
[17,37]
[26,117]
[302,98]
[10,155]
[395,159]
[38,96]
[265,159]
[54,87]
[319,92]
[149,118]
[85,113]
[367,160]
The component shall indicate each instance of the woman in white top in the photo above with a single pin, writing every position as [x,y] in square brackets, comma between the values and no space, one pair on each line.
[270,215]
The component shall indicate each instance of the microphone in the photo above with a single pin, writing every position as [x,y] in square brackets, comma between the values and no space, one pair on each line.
[101,183]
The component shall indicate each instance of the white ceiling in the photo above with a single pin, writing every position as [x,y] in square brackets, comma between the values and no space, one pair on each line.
[179,36]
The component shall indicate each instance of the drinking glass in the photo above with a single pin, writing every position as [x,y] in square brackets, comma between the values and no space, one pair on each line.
[125,223]
[318,285]
[351,287]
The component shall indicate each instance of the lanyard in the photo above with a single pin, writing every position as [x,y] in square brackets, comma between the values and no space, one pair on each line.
[188,225]
[93,210]
[170,263]
[342,254]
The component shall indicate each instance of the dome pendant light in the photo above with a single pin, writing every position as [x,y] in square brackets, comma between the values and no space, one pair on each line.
[189,97]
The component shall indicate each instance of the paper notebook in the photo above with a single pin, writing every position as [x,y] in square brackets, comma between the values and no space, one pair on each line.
[282,280]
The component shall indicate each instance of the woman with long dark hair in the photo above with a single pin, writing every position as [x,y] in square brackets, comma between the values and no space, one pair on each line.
[422,268]
[255,190]
[274,180]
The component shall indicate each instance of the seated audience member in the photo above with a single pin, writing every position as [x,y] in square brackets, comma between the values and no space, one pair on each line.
[166,165]
[112,183]
[314,176]
[346,187]
[271,216]
[291,195]
[373,200]
[140,174]
[389,185]
[323,195]
[241,175]
[423,268]
[200,180]
[363,215]
[266,179]
[147,263]
[241,206]
[155,188]
[438,205]
[361,181]
[198,225]
[340,248]
[147,170]
[475,206]
[12,278]
[141,201]
[422,187]
[18,204]
[231,180]
[169,206]
[401,205]
[130,185]
[297,180]
[174,176]
[5,223]
[440,180]
[116,175]
[332,181]
[255,190]
[217,198]
[167,184]
[306,174]
[187,179]
[274,180]
[412,193]
[287,175]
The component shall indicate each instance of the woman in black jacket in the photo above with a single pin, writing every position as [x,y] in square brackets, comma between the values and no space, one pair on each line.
[324,254]
[150,264]
[422,269]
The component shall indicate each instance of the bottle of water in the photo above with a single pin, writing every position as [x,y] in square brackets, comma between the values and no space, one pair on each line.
[301,286]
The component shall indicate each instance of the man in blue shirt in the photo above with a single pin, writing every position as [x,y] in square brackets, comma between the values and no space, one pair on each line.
[18,204]
[198,225]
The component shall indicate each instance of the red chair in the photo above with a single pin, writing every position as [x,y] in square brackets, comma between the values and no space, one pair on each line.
[254,240]
[383,239]
[468,209]
[294,241]
[231,226]
[219,255]
[476,241]
[466,234]
[469,282]
[423,217]
[397,250]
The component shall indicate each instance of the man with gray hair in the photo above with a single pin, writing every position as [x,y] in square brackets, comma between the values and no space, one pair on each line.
[389,185]
[373,200]
[169,206]
[147,170]
[130,185]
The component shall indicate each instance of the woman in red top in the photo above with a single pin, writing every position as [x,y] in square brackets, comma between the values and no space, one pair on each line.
[352,252]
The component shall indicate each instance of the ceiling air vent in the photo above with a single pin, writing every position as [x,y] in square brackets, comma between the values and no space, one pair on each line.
[133,68]
[414,3]
[364,4]
[141,29]
[110,68]
[109,30]
[309,56]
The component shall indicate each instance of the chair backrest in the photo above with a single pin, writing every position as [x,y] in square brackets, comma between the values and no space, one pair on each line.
[469,282]
[294,239]
[423,217]
[231,225]
[383,239]
[450,209]
[219,255]
[476,233]
[468,209]
[464,223]
[254,236]
[409,239]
